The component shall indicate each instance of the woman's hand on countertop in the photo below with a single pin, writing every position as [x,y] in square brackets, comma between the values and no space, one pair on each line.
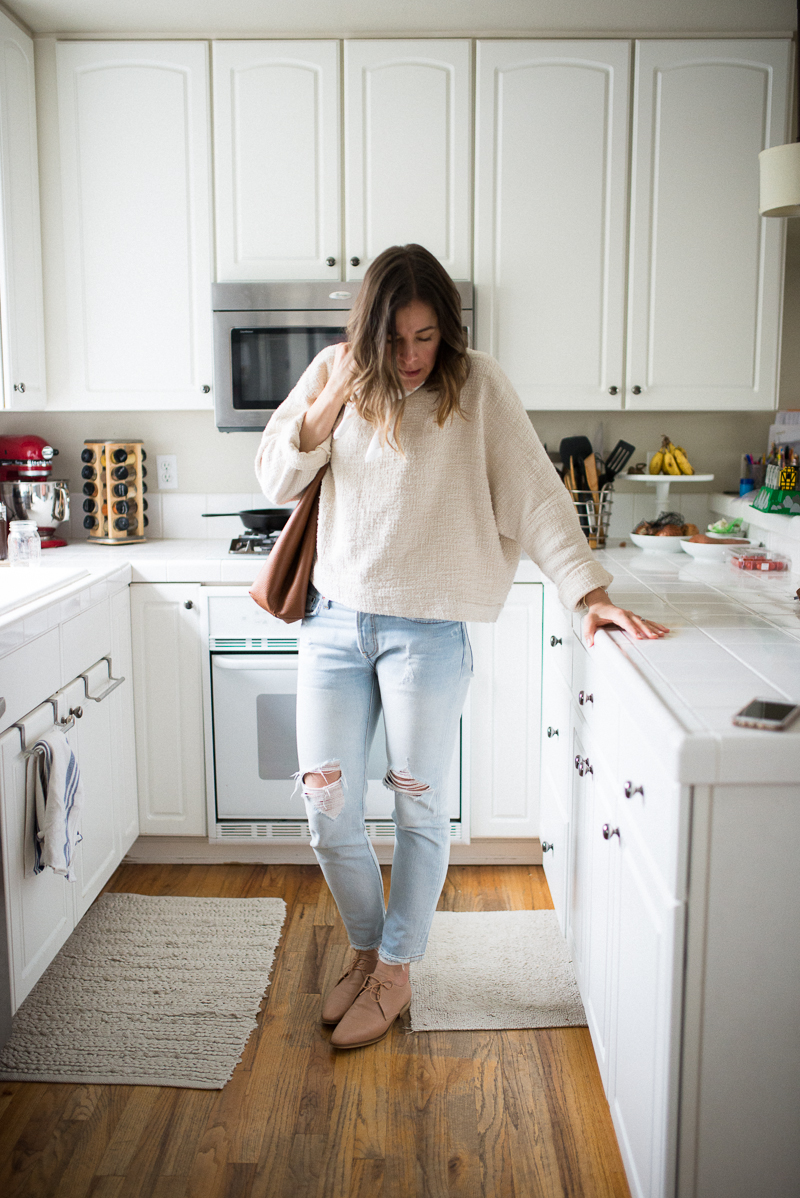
[603,613]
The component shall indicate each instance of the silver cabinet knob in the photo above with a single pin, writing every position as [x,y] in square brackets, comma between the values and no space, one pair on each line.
[608,831]
[583,698]
[554,640]
[355,261]
[188,605]
[19,386]
[547,846]
[613,390]
[631,790]
[330,261]
[583,766]
[552,731]
[636,390]
[77,712]
[206,388]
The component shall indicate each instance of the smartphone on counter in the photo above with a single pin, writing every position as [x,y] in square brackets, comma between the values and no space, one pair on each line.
[767,713]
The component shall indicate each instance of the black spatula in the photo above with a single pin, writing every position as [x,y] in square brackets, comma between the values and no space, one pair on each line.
[620,456]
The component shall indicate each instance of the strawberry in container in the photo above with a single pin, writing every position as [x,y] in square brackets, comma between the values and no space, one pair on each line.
[759,559]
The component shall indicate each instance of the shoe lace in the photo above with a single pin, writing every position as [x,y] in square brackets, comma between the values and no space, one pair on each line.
[360,962]
[373,986]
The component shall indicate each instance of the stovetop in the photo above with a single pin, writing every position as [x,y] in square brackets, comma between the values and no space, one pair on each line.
[253,542]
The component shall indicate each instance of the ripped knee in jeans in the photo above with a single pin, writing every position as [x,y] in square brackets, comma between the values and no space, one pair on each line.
[403,780]
[324,790]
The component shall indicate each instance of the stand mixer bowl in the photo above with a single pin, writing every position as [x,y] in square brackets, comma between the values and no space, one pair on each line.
[46,503]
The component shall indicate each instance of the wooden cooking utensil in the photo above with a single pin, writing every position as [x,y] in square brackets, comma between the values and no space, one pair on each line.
[590,466]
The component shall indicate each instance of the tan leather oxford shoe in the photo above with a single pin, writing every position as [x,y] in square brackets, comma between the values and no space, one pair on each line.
[341,997]
[373,1012]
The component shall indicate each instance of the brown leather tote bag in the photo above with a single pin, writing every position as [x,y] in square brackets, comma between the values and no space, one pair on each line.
[281,585]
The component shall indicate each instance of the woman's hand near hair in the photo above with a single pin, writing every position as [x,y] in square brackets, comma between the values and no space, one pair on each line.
[602,613]
[320,419]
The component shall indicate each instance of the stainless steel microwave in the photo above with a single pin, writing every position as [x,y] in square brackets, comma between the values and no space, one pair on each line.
[265,334]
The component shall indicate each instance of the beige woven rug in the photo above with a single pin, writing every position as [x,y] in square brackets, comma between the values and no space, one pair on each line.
[148,992]
[495,969]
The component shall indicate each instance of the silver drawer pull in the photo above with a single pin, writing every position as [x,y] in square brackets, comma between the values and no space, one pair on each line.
[631,790]
[113,683]
[584,698]
[608,831]
[552,731]
[547,846]
[555,640]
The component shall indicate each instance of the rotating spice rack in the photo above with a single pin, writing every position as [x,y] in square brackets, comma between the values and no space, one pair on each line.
[114,480]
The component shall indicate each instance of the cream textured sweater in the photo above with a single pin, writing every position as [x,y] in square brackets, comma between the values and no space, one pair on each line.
[435,534]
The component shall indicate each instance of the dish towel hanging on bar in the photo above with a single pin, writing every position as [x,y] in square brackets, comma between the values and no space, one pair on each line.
[53,806]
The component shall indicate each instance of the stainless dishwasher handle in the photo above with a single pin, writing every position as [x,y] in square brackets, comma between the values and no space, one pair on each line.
[113,682]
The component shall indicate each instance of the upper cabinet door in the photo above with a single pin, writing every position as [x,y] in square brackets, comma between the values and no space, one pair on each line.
[21,310]
[550,223]
[276,160]
[705,268]
[407,151]
[134,127]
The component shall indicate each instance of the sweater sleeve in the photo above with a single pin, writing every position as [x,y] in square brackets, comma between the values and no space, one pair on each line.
[282,469]
[531,504]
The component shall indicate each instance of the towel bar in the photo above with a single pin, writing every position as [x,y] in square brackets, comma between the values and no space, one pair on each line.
[64,724]
[113,682]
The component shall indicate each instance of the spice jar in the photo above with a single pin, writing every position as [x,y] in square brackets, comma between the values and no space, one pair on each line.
[24,546]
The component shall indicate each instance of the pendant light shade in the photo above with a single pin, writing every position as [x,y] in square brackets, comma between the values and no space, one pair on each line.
[779,166]
[780,180]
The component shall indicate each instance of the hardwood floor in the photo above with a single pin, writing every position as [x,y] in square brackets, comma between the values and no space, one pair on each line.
[512,1114]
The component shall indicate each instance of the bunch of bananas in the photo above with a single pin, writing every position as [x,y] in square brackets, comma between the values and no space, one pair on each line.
[670,459]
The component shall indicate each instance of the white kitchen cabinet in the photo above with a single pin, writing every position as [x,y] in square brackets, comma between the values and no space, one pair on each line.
[551,216]
[40,907]
[277,154]
[21,304]
[134,317]
[706,271]
[407,142]
[168,695]
[505,718]
[43,909]
[704,278]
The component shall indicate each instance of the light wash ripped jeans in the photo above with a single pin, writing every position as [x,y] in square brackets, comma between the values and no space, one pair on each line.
[351,665]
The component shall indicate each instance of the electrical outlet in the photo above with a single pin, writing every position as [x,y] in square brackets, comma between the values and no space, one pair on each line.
[167,470]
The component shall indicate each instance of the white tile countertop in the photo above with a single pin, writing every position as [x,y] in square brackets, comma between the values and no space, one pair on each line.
[734,636]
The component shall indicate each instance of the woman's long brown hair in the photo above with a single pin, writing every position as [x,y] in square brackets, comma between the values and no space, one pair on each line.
[398,276]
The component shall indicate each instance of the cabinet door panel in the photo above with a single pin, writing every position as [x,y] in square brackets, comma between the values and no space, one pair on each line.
[169,708]
[135,177]
[276,159]
[96,856]
[41,914]
[705,268]
[407,150]
[555,833]
[21,311]
[551,210]
[643,1020]
[505,718]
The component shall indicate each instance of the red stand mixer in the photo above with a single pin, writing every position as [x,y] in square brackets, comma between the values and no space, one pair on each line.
[27,489]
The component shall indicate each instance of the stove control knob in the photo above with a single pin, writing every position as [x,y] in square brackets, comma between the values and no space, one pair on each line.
[188,605]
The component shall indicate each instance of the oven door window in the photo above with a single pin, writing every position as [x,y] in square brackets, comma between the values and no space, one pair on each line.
[266,363]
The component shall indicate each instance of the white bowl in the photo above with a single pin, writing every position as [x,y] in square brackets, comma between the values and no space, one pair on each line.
[711,553]
[657,544]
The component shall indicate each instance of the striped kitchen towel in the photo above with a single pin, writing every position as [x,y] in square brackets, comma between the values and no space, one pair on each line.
[54,801]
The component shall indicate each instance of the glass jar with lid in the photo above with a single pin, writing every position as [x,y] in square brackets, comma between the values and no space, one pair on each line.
[24,545]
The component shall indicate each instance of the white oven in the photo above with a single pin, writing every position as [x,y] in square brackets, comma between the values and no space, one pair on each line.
[250,690]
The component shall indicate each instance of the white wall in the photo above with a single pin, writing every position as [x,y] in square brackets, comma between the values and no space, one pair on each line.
[344,18]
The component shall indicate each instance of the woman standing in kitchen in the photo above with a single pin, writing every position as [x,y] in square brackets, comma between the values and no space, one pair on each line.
[437,480]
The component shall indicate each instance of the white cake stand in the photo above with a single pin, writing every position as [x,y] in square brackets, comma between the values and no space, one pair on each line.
[662,484]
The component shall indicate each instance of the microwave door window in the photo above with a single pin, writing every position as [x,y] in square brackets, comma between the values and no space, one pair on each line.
[266,363]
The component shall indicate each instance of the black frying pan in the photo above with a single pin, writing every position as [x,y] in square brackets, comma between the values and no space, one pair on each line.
[265,519]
